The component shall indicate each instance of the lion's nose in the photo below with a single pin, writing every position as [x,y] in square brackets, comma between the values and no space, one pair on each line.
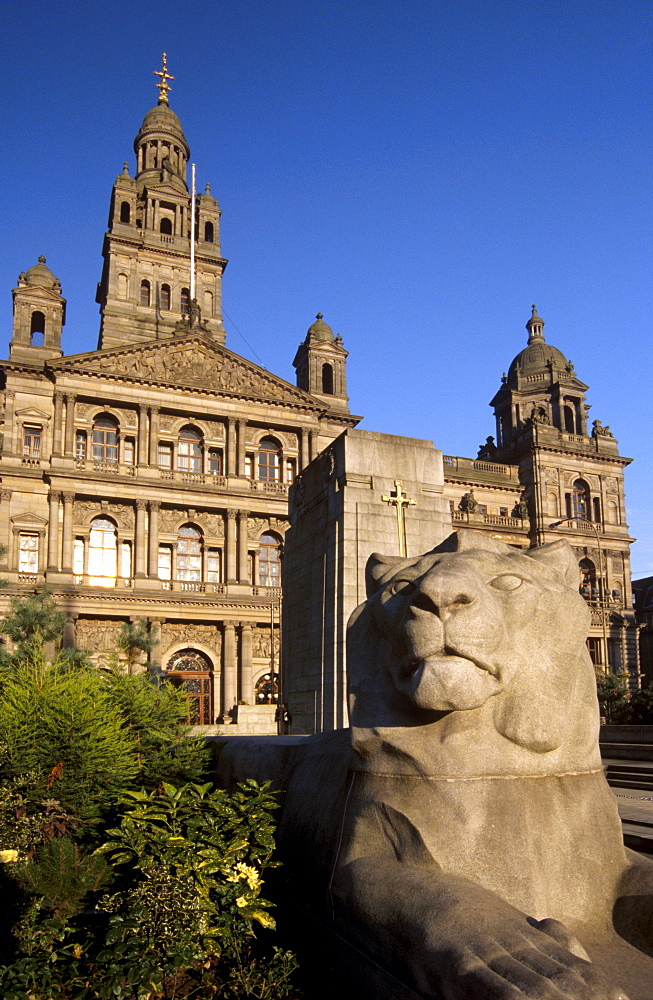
[445,597]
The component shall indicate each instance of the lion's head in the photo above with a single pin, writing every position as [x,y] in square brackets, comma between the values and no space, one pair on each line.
[473,625]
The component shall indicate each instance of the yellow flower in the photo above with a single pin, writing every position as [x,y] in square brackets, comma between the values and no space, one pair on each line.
[241,901]
[249,874]
[6,856]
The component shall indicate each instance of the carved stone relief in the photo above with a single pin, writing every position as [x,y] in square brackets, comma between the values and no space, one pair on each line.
[97,634]
[169,520]
[257,525]
[207,635]
[213,524]
[193,364]
[261,642]
[550,475]
[84,510]
[610,485]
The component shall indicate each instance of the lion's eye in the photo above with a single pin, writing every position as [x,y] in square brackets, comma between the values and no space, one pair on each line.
[506,582]
[403,587]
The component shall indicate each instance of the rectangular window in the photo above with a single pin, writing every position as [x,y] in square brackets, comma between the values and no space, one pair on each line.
[452,505]
[290,470]
[594,647]
[32,442]
[215,461]
[28,554]
[128,451]
[125,560]
[80,446]
[249,466]
[165,455]
[213,566]
[503,512]
[78,557]
[165,562]
[481,508]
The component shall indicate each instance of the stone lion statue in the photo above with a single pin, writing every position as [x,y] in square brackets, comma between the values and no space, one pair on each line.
[460,841]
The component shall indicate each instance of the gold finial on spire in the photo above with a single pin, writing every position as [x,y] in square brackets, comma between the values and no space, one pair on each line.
[165,76]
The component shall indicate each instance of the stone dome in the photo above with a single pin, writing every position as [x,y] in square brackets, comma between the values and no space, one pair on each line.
[161,118]
[537,355]
[319,331]
[40,275]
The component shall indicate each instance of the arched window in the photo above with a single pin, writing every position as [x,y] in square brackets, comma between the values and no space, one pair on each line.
[208,304]
[185,301]
[189,450]
[165,296]
[327,379]
[569,420]
[191,671]
[189,554]
[269,561]
[102,553]
[105,439]
[552,503]
[165,226]
[145,292]
[269,460]
[208,232]
[266,691]
[123,286]
[125,212]
[580,501]
[613,512]
[37,328]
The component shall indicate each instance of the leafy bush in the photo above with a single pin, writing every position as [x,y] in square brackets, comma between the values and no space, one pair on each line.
[186,866]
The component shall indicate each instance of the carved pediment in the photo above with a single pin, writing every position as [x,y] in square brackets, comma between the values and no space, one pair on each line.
[28,520]
[31,413]
[189,362]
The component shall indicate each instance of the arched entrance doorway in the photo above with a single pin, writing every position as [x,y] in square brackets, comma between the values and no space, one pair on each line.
[191,670]
[266,691]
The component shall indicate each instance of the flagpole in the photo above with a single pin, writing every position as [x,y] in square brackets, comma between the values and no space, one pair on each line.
[192,234]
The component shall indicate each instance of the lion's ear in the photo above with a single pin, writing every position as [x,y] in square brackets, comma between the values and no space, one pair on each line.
[376,568]
[559,556]
[469,539]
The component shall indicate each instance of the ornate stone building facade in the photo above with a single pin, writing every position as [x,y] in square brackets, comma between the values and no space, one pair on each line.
[149,478]
[548,475]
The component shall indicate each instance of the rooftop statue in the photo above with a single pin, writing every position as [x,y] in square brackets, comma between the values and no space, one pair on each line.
[460,840]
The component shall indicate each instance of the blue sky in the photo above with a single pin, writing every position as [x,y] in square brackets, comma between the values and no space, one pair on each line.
[419,172]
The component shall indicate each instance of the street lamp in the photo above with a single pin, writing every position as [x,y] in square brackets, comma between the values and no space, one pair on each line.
[603,604]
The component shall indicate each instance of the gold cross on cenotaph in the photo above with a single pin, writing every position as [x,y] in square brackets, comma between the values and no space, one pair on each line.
[399,500]
[165,76]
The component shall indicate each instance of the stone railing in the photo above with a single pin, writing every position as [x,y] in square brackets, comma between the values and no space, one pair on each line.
[268,487]
[30,462]
[469,466]
[28,578]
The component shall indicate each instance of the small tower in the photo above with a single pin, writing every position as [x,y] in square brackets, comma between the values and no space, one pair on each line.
[145,287]
[39,315]
[321,364]
[542,388]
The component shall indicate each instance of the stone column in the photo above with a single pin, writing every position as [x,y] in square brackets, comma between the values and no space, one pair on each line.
[155,652]
[5,497]
[9,427]
[230,569]
[312,450]
[68,638]
[139,539]
[53,532]
[229,668]
[67,560]
[142,435]
[69,449]
[231,457]
[154,435]
[57,425]
[240,461]
[246,685]
[242,545]
[304,448]
[153,561]
[177,223]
